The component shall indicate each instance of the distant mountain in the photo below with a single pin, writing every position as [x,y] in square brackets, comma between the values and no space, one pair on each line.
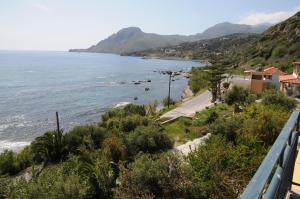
[133,39]
[227,28]
[279,45]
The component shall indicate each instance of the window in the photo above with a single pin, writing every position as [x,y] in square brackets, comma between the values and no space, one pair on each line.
[257,77]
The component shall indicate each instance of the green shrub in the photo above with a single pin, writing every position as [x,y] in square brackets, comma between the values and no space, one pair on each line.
[264,122]
[54,182]
[239,95]
[227,127]
[97,171]
[149,176]
[275,97]
[8,163]
[129,109]
[49,147]
[115,148]
[150,139]
[220,171]
[76,137]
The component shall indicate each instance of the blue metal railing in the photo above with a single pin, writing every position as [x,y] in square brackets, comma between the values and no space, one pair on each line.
[273,179]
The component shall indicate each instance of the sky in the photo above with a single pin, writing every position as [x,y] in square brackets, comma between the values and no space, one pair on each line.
[65,24]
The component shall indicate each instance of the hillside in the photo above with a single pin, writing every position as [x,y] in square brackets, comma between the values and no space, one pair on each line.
[279,44]
[229,45]
[133,39]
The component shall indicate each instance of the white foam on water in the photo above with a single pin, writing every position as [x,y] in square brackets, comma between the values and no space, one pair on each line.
[4,126]
[12,145]
[122,104]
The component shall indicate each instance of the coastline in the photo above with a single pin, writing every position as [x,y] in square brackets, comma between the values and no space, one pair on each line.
[17,146]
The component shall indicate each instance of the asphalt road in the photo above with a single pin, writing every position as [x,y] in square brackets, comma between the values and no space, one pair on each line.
[199,102]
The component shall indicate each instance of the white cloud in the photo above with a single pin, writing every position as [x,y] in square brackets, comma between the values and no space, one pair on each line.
[41,7]
[271,17]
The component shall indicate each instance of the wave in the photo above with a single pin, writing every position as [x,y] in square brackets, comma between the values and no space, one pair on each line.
[4,126]
[12,145]
[122,104]
[14,121]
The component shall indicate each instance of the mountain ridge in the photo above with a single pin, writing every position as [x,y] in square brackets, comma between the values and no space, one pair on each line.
[132,39]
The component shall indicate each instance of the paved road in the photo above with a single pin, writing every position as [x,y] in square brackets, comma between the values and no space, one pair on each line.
[188,108]
[198,103]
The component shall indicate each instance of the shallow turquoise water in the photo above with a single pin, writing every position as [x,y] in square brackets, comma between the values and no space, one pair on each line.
[80,86]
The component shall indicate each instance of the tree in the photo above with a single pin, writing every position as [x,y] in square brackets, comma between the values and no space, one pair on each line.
[214,76]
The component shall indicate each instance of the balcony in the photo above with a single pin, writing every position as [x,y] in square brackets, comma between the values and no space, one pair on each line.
[278,176]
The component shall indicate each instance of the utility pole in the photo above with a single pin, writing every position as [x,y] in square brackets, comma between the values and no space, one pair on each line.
[57,122]
[170,74]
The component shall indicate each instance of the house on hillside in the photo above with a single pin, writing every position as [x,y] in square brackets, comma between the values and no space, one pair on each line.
[261,79]
[290,84]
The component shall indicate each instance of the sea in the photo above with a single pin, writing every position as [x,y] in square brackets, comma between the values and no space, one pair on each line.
[79,86]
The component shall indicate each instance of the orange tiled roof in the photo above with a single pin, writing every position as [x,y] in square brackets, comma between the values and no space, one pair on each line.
[272,70]
[286,77]
[292,81]
[289,79]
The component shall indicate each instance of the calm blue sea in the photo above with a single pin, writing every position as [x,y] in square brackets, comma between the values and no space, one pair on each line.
[80,86]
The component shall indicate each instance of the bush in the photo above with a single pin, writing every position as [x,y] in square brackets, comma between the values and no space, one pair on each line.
[8,163]
[76,137]
[49,147]
[274,97]
[220,171]
[227,127]
[127,123]
[129,109]
[265,122]
[115,149]
[239,95]
[11,163]
[97,171]
[54,182]
[154,177]
[150,139]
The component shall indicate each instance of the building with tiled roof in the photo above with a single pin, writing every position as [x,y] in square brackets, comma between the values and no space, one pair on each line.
[261,79]
[290,84]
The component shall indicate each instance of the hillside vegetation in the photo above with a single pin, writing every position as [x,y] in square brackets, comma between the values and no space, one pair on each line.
[279,45]
[128,155]
[228,46]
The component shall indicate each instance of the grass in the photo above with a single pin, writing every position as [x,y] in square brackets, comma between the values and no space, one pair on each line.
[185,129]
[182,130]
